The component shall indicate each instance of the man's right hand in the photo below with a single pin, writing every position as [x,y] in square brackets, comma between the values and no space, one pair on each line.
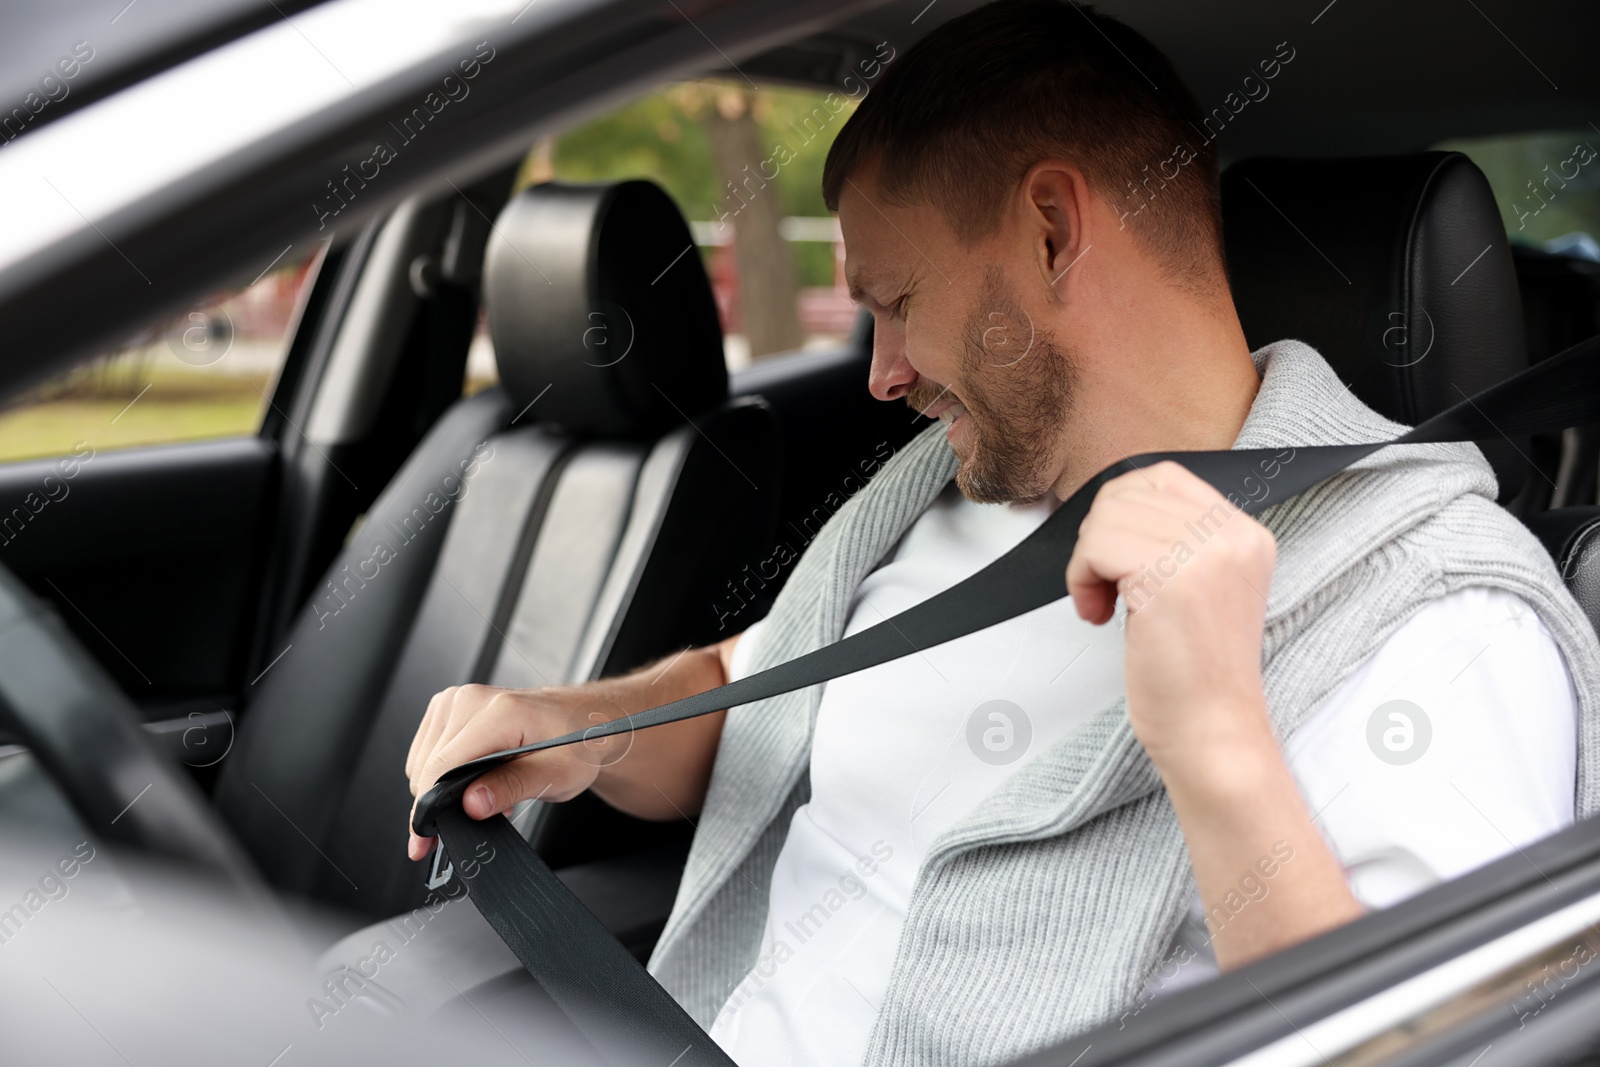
[661,773]
[468,721]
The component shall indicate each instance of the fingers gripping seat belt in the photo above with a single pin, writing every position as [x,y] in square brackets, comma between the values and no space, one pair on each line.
[618,1006]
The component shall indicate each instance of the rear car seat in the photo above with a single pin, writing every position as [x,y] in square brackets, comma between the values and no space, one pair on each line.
[579,519]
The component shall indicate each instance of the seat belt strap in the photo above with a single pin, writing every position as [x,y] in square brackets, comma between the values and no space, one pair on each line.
[612,1000]
[1558,392]
[541,925]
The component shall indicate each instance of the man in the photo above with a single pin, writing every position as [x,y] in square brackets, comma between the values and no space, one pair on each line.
[971,851]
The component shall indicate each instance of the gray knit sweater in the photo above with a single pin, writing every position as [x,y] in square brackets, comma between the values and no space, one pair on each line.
[1046,909]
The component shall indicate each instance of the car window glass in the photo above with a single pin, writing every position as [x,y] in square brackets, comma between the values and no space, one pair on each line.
[205,373]
[1547,186]
[481,370]
[745,167]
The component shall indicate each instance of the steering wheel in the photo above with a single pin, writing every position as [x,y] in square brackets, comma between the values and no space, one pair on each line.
[86,733]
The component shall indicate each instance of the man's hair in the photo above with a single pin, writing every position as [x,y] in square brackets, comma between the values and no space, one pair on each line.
[957,121]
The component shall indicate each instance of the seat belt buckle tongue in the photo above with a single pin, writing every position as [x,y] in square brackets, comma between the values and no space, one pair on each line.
[447,791]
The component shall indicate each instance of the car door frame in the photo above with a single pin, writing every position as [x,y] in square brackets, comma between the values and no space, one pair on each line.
[1430,979]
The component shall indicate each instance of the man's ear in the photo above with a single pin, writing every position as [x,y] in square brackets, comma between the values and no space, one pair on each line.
[1055,205]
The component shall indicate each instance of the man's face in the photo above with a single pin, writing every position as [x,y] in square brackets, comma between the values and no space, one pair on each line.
[960,341]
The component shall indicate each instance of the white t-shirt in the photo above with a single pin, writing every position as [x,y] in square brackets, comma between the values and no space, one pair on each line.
[904,750]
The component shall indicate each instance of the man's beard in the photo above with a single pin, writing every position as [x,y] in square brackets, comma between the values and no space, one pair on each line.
[1016,401]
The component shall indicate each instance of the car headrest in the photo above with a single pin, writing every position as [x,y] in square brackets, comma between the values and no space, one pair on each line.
[600,310]
[1395,268]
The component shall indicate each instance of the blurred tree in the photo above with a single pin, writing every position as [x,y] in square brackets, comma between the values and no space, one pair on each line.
[666,136]
[653,137]
[753,207]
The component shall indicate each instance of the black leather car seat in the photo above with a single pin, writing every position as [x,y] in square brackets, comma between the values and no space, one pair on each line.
[1395,268]
[834,433]
[1573,537]
[1560,307]
[1561,297]
[1368,259]
[579,519]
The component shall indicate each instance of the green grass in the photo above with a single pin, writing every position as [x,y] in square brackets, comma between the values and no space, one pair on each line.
[178,406]
[53,429]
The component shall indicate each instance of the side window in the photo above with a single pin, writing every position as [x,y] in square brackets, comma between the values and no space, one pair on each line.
[1547,186]
[207,373]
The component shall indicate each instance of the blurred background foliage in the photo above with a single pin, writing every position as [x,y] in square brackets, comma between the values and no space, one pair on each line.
[1547,184]
[664,137]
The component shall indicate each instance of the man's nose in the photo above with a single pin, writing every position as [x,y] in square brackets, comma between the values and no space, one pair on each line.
[892,374]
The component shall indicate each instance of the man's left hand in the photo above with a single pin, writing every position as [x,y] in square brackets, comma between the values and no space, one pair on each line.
[1194,572]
